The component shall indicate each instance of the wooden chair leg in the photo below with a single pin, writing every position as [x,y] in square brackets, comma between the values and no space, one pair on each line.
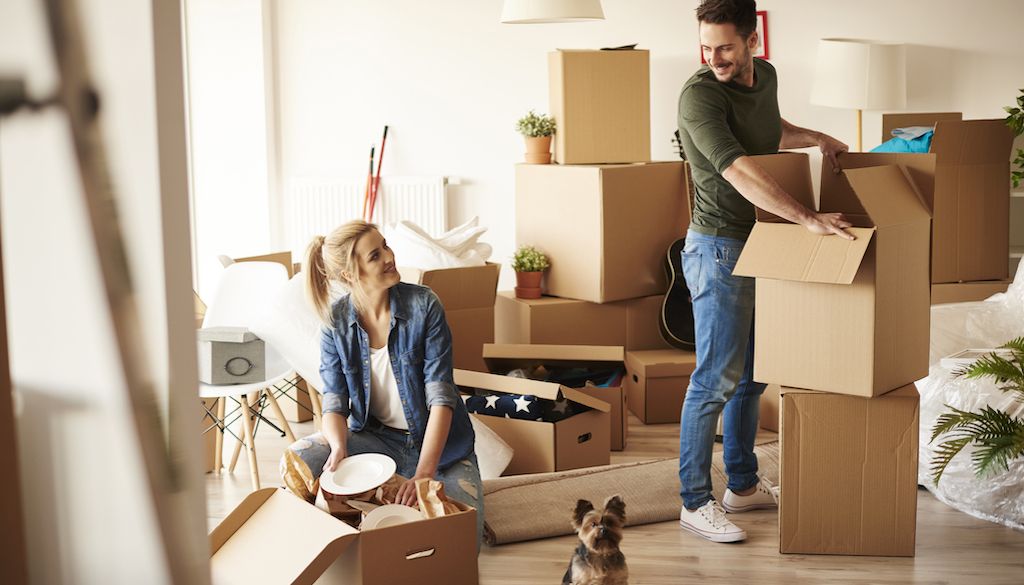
[218,454]
[254,472]
[238,444]
[280,415]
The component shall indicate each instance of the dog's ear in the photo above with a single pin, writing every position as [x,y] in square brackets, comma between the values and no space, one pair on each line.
[582,508]
[616,507]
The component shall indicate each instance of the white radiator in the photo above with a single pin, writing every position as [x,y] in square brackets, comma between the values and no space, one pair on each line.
[315,207]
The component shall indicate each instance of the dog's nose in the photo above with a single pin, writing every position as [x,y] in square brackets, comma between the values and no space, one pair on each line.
[602,531]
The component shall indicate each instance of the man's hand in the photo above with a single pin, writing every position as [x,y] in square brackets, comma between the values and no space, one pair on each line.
[832,148]
[407,491]
[829,223]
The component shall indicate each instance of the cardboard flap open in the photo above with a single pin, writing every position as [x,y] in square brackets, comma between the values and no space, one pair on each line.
[792,171]
[791,252]
[971,142]
[502,357]
[888,195]
[312,541]
[510,385]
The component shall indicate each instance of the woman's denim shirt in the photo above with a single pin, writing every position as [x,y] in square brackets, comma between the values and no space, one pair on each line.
[420,348]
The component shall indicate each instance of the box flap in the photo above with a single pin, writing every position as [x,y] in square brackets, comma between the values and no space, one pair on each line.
[838,196]
[510,385]
[468,287]
[304,539]
[502,357]
[888,195]
[792,171]
[791,252]
[971,142]
[892,121]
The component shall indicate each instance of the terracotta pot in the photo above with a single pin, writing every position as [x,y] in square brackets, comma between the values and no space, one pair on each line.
[528,285]
[538,150]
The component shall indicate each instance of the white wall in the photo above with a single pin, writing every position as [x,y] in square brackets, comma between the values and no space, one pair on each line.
[451,80]
[88,514]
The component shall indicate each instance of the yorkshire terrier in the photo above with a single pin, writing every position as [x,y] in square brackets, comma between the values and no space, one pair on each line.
[597,560]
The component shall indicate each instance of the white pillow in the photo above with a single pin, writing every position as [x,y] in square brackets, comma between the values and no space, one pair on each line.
[492,453]
[292,327]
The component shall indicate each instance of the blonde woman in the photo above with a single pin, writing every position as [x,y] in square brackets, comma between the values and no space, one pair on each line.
[386,362]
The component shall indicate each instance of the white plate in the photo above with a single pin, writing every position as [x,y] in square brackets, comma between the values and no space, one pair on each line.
[358,474]
[390,515]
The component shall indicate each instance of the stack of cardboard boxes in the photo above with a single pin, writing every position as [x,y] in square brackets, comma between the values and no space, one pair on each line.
[605,215]
[843,327]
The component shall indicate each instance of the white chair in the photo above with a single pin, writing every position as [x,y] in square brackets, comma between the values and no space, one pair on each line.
[243,295]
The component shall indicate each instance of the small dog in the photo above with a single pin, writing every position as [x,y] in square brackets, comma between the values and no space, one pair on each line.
[597,560]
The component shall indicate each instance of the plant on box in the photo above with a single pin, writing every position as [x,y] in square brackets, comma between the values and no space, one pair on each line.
[529,264]
[1015,120]
[537,130]
[998,437]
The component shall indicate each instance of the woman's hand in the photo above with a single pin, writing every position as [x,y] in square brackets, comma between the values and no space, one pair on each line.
[337,454]
[407,491]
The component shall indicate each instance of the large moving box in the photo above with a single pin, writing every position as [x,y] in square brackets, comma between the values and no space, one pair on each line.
[633,324]
[581,440]
[849,473]
[850,317]
[503,358]
[971,201]
[308,545]
[656,382]
[468,298]
[601,102]
[963,292]
[605,228]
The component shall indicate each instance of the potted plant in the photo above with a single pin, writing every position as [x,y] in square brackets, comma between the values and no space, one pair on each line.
[537,130]
[997,437]
[1015,120]
[529,264]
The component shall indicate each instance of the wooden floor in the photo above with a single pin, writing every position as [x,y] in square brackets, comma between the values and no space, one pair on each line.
[952,547]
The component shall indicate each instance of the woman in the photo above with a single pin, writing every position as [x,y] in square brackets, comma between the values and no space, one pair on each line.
[386,362]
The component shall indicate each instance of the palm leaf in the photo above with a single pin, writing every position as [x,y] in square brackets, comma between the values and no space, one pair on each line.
[946,452]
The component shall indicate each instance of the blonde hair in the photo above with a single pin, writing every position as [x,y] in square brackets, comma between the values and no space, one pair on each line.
[329,258]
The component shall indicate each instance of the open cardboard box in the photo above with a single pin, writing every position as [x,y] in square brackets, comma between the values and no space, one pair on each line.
[964,292]
[656,382]
[467,294]
[582,440]
[850,317]
[311,546]
[502,358]
[849,473]
[967,190]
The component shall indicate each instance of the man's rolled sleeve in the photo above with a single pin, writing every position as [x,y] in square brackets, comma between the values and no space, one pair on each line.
[439,384]
[702,115]
[335,390]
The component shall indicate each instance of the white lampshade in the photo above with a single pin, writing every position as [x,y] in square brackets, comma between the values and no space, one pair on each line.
[860,75]
[538,11]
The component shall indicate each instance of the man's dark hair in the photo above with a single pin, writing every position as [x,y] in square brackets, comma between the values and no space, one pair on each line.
[741,13]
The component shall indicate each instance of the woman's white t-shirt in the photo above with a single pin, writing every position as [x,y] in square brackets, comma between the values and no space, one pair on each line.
[385,402]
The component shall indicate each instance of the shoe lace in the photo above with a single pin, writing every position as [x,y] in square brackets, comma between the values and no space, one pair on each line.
[715,514]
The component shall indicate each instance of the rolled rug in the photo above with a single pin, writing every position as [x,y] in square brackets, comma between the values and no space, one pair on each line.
[528,507]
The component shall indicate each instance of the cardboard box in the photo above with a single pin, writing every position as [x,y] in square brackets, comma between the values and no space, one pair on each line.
[311,546]
[770,411]
[970,205]
[601,102]
[468,298]
[850,317]
[632,324]
[582,440]
[605,228]
[963,292]
[503,358]
[849,473]
[656,382]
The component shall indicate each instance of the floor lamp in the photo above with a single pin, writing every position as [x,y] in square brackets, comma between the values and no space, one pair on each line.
[860,75]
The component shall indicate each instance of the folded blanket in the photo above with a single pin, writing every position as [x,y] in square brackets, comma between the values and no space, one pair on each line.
[912,139]
[456,248]
[522,406]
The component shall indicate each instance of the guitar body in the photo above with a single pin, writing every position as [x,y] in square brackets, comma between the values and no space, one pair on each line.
[676,323]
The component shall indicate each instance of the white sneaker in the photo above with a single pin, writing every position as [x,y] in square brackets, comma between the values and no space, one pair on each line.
[709,521]
[765,496]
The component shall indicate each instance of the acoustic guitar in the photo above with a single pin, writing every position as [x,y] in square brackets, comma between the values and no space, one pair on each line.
[676,323]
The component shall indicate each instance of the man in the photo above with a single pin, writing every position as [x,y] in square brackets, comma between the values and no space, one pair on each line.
[729,111]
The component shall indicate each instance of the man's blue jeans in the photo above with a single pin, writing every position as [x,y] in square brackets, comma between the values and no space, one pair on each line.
[723,311]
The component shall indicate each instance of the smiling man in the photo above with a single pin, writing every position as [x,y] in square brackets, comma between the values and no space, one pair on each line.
[728,111]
